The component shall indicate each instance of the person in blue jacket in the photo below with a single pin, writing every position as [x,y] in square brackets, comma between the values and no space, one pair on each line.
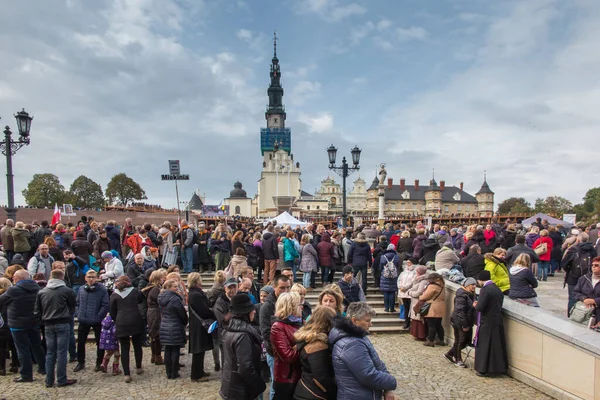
[92,303]
[359,372]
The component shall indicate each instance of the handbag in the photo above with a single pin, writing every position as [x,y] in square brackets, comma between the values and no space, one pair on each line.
[541,249]
[109,283]
[581,313]
[206,323]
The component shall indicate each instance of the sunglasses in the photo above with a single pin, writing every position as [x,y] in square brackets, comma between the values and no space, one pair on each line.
[595,265]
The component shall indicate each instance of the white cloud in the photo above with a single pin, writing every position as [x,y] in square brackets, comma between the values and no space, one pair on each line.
[318,123]
[413,32]
[524,110]
[305,90]
[301,72]
[330,10]
[384,24]
[244,34]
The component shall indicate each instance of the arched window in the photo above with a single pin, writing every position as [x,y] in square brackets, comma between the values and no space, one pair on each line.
[237,209]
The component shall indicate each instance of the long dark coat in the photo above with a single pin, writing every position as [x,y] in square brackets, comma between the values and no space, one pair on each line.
[203,256]
[491,355]
[200,340]
[153,313]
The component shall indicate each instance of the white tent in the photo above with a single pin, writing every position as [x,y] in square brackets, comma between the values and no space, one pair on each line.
[286,219]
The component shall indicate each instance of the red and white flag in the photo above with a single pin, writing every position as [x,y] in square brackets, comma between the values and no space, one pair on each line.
[56,216]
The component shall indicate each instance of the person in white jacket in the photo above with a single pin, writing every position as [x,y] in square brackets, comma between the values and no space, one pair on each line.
[405,282]
[113,268]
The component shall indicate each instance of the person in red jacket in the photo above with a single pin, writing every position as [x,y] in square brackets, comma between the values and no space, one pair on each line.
[544,264]
[287,370]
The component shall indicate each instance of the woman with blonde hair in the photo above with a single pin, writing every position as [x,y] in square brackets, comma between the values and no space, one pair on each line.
[10,271]
[523,282]
[288,319]
[181,288]
[317,379]
[306,309]
[213,294]
[157,278]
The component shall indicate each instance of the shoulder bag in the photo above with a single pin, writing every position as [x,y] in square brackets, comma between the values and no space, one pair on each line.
[581,313]
[206,323]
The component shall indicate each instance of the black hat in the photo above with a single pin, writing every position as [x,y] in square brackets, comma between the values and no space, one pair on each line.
[484,275]
[241,304]
[347,269]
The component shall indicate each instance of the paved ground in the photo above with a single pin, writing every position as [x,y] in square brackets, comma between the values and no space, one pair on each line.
[422,373]
[551,295]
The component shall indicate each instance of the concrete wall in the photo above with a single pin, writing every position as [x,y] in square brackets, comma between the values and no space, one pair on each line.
[546,351]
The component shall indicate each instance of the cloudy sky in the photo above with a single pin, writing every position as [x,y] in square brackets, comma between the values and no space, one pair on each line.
[458,86]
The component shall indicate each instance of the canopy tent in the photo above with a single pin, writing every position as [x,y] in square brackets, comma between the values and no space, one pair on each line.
[286,219]
[552,221]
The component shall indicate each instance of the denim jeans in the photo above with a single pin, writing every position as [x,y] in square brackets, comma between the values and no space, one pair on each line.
[26,341]
[271,363]
[363,271]
[389,300]
[306,279]
[57,340]
[543,267]
[187,259]
[554,265]
[324,275]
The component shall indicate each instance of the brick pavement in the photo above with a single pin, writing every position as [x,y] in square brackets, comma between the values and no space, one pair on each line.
[422,373]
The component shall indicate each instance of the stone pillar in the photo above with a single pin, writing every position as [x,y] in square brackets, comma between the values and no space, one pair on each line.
[380,217]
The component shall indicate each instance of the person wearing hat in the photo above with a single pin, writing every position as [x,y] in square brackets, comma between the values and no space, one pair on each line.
[462,320]
[221,308]
[490,343]
[242,350]
[113,269]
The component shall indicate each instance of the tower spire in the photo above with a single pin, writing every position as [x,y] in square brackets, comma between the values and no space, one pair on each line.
[275,44]
[485,175]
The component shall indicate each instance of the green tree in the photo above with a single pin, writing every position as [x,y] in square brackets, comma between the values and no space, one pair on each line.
[123,190]
[591,201]
[514,205]
[86,193]
[44,190]
[554,205]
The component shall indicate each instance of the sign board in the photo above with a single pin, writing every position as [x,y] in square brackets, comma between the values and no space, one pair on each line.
[428,222]
[215,211]
[68,211]
[175,177]
[570,218]
[174,167]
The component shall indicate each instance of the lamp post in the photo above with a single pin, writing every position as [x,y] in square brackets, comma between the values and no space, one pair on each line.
[344,171]
[9,147]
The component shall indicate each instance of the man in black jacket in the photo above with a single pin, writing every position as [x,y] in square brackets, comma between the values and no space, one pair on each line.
[20,302]
[519,248]
[473,263]
[42,233]
[55,306]
[281,284]
[135,269]
[271,254]
[221,307]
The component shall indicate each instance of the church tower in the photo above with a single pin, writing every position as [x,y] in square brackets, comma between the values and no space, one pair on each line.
[433,198]
[280,184]
[485,199]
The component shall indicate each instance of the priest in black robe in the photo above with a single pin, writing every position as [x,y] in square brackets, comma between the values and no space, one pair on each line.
[491,357]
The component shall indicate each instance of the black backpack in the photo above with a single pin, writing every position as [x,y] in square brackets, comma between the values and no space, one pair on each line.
[581,264]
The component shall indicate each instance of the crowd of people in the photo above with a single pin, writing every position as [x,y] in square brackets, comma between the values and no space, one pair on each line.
[140,286]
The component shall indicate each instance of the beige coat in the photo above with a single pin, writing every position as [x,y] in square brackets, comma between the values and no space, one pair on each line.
[438,306]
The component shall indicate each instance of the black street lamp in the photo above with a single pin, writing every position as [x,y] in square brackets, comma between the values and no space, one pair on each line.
[9,148]
[344,171]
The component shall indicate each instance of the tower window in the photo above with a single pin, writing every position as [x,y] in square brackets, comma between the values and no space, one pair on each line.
[275,120]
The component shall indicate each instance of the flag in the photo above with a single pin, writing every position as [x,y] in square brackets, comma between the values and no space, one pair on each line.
[56,216]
